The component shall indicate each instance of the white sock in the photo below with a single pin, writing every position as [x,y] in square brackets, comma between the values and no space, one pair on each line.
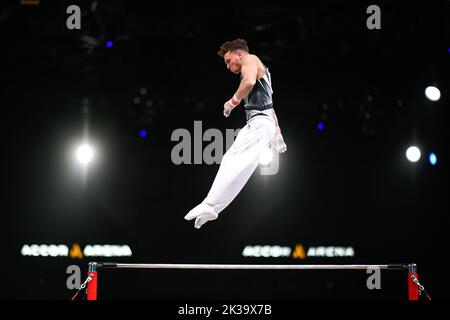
[202,214]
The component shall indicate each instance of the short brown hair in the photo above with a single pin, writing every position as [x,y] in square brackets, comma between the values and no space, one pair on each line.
[233,45]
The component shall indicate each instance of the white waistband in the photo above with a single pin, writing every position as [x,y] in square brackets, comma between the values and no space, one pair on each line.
[266,114]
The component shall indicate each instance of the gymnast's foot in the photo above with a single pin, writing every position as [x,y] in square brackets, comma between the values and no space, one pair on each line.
[202,214]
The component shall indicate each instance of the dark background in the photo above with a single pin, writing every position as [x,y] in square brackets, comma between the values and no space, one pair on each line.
[348,185]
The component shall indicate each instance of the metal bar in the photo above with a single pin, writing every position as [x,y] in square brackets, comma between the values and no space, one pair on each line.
[94,266]
[252,266]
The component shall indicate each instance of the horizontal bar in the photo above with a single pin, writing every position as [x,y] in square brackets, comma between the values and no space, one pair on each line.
[252,266]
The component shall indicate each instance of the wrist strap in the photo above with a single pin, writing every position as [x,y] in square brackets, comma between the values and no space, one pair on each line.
[235,101]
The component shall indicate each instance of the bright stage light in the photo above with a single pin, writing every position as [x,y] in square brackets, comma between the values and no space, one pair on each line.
[433,158]
[413,154]
[433,93]
[84,153]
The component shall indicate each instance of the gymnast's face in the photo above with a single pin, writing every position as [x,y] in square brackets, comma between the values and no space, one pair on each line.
[233,61]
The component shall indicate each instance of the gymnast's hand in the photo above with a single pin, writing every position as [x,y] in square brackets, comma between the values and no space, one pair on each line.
[278,142]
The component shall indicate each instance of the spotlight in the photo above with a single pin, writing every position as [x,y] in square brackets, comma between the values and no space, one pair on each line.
[433,158]
[143,133]
[109,44]
[321,126]
[413,154]
[85,153]
[433,93]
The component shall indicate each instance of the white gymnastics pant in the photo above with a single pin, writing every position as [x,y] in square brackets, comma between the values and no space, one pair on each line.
[240,161]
